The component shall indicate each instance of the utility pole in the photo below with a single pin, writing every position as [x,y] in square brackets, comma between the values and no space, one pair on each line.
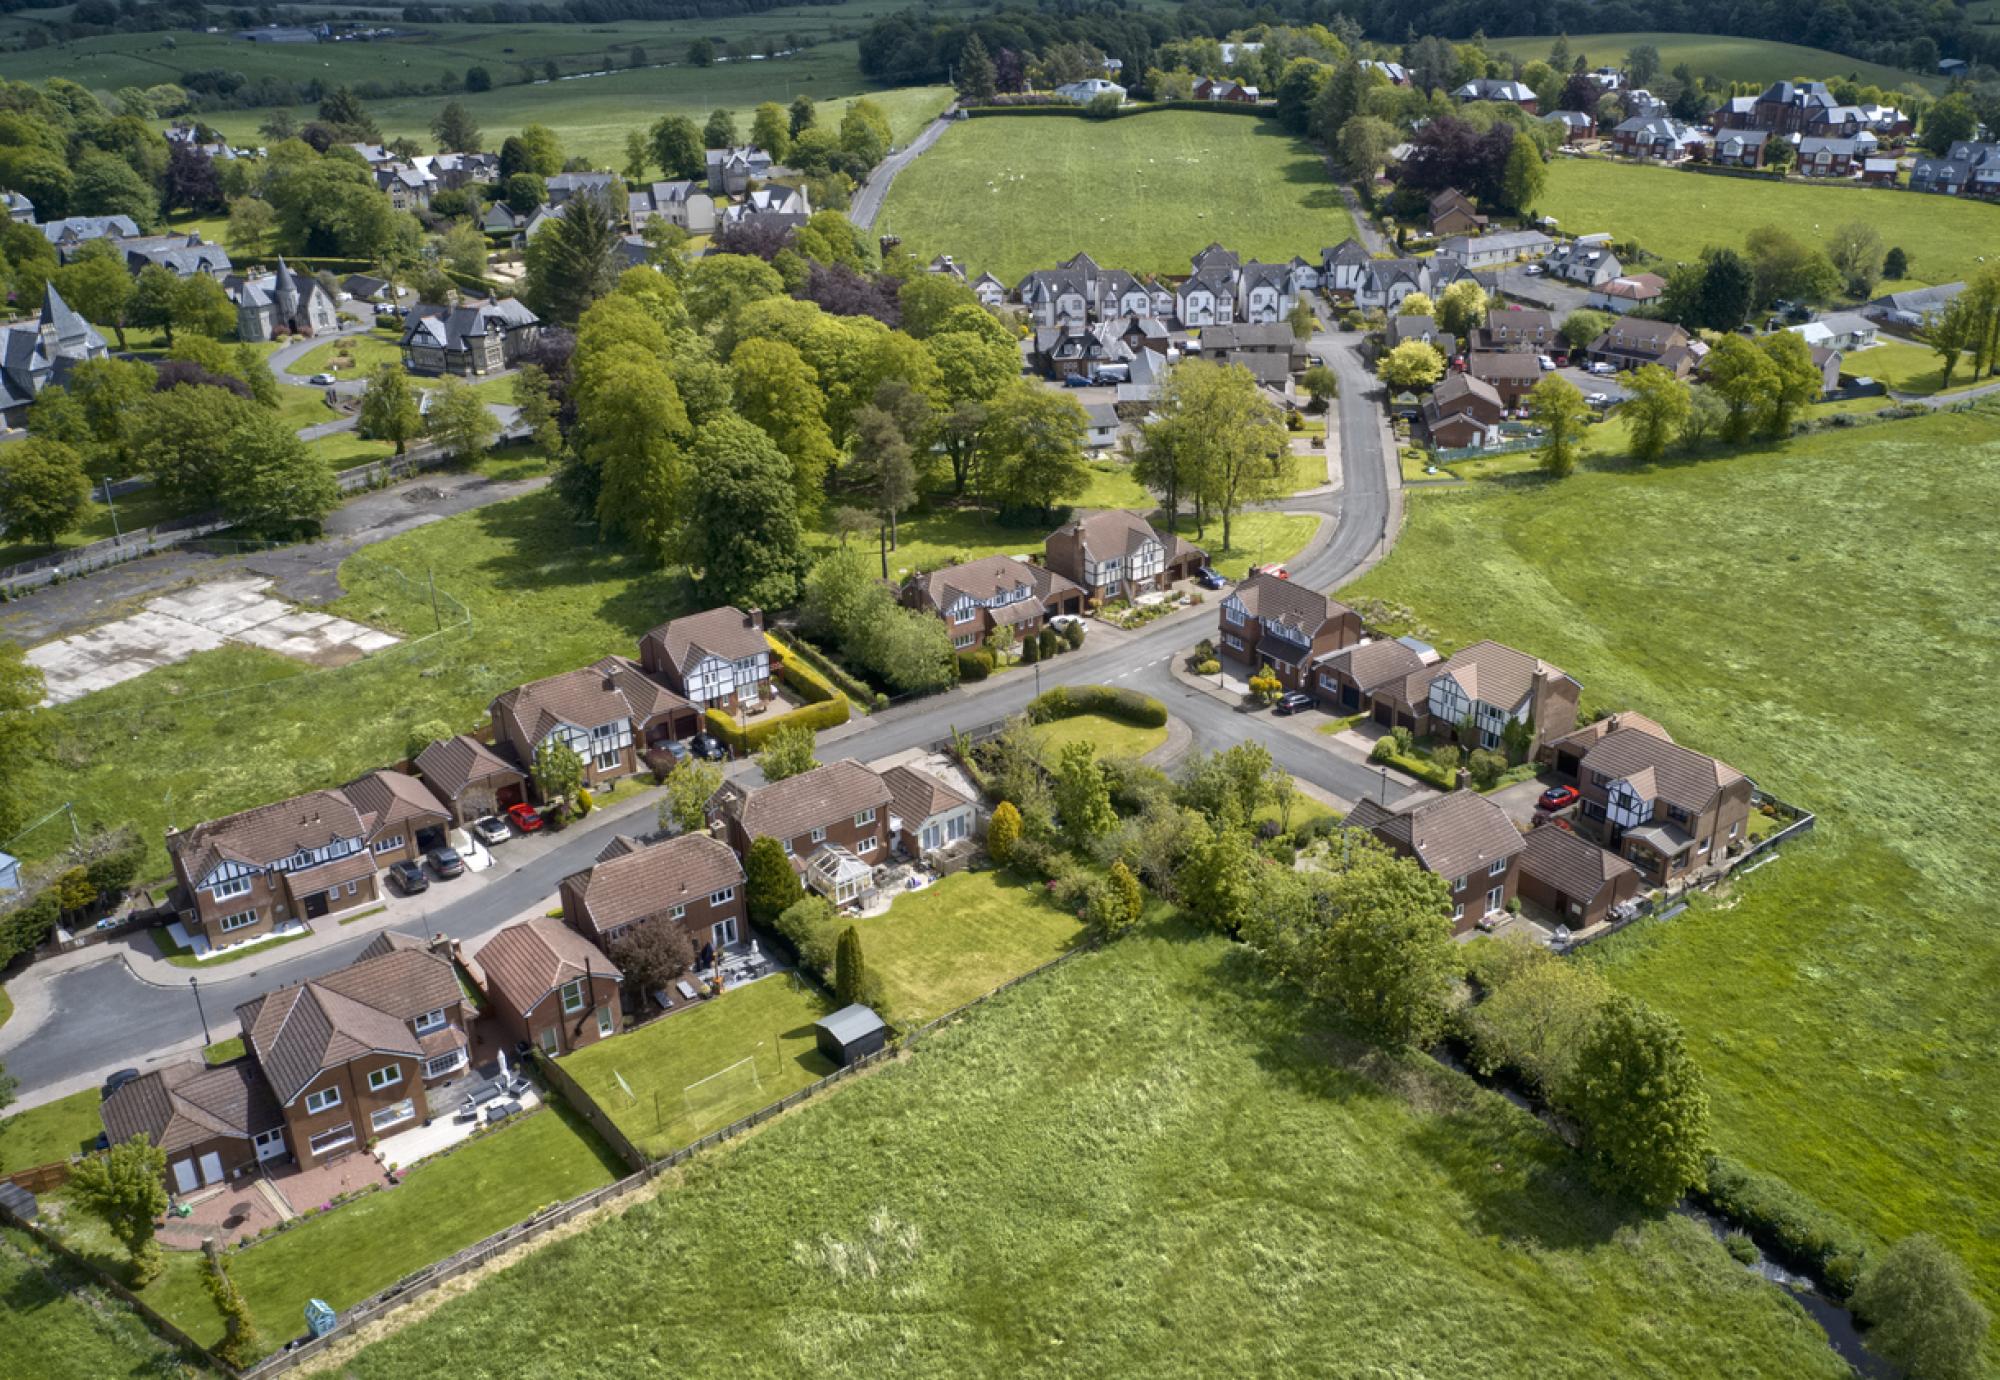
[437,618]
[194,985]
[115,533]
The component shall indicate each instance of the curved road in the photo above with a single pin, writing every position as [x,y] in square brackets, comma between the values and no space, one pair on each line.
[78,1024]
[867,200]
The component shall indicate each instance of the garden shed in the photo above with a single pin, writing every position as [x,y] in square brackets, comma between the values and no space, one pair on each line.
[850,1034]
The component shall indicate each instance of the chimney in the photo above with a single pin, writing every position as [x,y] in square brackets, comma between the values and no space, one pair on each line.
[754,620]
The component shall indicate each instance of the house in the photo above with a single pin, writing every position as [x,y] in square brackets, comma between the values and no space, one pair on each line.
[1383,283]
[71,232]
[471,778]
[732,170]
[1089,89]
[409,187]
[1347,681]
[1518,330]
[680,203]
[1496,248]
[182,255]
[567,186]
[1880,172]
[1494,89]
[611,714]
[1788,107]
[1660,138]
[1400,330]
[1827,360]
[1224,89]
[401,818]
[1492,686]
[1100,425]
[286,302]
[1343,266]
[274,866]
[1664,808]
[1967,168]
[995,592]
[990,291]
[1847,331]
[10,873]
[690,881]
[1272,338]
[1452,213]
[1513,375]
[477,336]
[1068,349]
[1395,73]
[833,822]
[20,210]
[778,204]
[1264,292]
[1887,122]
[925,814]
[717,659]
[1462,837]
[1913,308]
[550,987]
[1587,260]
[349,1056]
[1632,343]
[501,219]
[1269,621]
[1627,292]
[1116,553]
[1953,67]
[453,172]
[1741,148]
[1572,878]
[46,350]
[1828,157]
[213,1124]
[1463,413]
[1575,125]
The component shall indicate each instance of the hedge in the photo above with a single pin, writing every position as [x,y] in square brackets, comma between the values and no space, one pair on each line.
[1800,1233]
[1262,110]
[1127,706]
[1420,767]
[831,671]
[826,714]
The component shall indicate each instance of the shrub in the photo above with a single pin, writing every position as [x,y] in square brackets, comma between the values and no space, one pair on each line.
[1048,643]
[1445,757]
[1265,687]
[585,803]
[1210,667]
[975,665]
[1031,650]
[826,714]
[1921,1311]
[1486,767]
[1384,750]
[1800,1233]
[1741,1248]
[771,887]
[1406,742]
[1114,702]
[808,926]
[1003,833]
[1073,634]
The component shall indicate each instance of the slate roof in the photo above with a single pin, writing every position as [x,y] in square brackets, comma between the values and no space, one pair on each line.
[915,795]
[1272,600]
[184,1104]
[75,228]
[1404,328]
[1660,769]
[989,576]
[452,328]
[526,961]
[1509,365]
[452,764]
[785,809]
[1452,835]
[642,881]
[1574,866]
[727,632]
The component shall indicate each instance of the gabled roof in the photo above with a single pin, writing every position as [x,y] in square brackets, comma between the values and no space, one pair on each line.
[1494,673]
[267,834]
[298,1032]
[916,796]
[527,960]
[184,1104]
[1679,776]
[1581,739]
[1458,391]
[452,764]
[1272,600]
[1120,532]
[1572,865]
[1373,664]
[785,809]
[390,797]
[726,632]
[607,691]
[989,576]
[1451,835]
[639,880]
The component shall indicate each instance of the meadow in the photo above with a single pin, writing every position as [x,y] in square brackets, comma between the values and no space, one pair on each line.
[1723,57]
[1820,616]
[1675,215]
[72,1328]
[1146,1162]
[1144,193]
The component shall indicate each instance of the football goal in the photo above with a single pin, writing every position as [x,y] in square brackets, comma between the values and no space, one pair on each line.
[719,1096]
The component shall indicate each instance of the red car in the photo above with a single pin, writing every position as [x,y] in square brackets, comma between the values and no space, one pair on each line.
[1557,798]
[524,818]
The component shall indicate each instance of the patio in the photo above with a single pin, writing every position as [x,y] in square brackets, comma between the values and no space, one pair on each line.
[228,1212]
[490,1094]
[305,1190]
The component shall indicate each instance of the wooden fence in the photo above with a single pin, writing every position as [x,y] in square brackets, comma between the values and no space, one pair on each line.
[43,1178]
[586,1107]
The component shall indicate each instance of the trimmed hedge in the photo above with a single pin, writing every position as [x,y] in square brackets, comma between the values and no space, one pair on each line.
[1778,1217]
[831,671]
[1420,767]
[826,714]
[1127,706]
[1263,110]
[794,672]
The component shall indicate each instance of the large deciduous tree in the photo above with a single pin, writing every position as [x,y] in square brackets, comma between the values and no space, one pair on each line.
[1638,1099]
[389,407]
[777,391]
[1656,411]
[1031,448]
[1083,797]
[677,147]
[1411,365]
[455,130]
[126,1187]
[1921,1311]
[1220,437]
[744,534]
[44,492]
[1557,406]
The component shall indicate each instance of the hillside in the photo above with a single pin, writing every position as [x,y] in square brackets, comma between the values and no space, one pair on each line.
[1717,55]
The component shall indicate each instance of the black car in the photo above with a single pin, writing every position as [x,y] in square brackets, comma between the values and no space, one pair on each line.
[115,1082]
[676,750]
[1208,579]
[1293,702]
[409,877]
[446,862]
[707,747]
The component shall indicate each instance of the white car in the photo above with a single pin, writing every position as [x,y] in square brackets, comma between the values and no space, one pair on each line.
[1546,363]
[323,379]
[1533,270]
[1597,400]
[1061,621]
[1604,367]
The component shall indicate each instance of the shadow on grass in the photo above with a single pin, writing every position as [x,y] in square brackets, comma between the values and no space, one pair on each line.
[549,548]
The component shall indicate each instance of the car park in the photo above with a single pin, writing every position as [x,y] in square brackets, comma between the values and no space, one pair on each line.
[491,830]
[524,818]
[446,862]
[1293,702]
[1557,798]
[409,877]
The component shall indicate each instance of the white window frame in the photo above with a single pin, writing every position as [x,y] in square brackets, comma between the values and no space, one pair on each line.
[722,897]
[819,836]
[445,1063]
[325,1100]
[1458,911]
[231,889]
[240,920]
[1495,899]
[388,1076]
[573,997]
[788,848]
[389,845]
[865,818]
[1498,868]
[1459,884]
[430,1020]
[334,1137]
[677,913]
[866,845]
[395,1115]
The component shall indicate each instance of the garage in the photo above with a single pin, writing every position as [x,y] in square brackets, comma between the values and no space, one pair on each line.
[1573,879]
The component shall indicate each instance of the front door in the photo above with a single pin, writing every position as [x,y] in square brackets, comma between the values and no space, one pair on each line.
[1350,698]
[270,1146]
[316,905]
[211,1168]
[185,1179]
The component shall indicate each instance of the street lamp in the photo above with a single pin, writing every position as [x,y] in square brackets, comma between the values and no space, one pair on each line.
[115,533]
[194,985]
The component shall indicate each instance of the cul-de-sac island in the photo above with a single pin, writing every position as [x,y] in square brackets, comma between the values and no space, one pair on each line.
[1132,689]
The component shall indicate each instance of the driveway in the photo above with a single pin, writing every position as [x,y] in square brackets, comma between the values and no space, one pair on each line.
[1588,383]
[1518,800]
[1559,297]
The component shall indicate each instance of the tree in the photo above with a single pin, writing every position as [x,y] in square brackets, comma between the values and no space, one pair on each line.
[1896,264]
[389,407]
[478,79]
[1365,142]
[1031,448]
[769,883]
[96,283]
[1796,380]
[1003,831]
[255,369]
[1951,332]
[1921,1311]
[1083,799]
[342,110]
[720,131]
[1856,250]
[1784,267]
[1412,365]
[1524,177]
[745,539]
[1656,411]
[199,304]
[459,422]
[1234,448]
[1322,385]
[454,129]
[777,391]
[864,132]
[849,972]
[8,1086]
[1728,290]
[1416,304]
[1462,306]
[523,192]
[881,459]
[690,786]
[803,115]
[1638,1100]
[542,150]
[43,490]
[788,752]
[557,773]
[976,81]
[239,1346]
[1130,895]
[571,260]
[701,53]
[463,248]
[1642,64]
[1743,377]
[250,223]
[269,481]
[1557,406]
[1302,320]
[1707,415]
[1583,326]
[106,185]
[1218,879]
[126,1186]
[652,955]
[1950,120]
[770,132]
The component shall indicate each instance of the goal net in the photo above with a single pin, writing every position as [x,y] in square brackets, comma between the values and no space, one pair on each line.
[716,1096]
[631,1098]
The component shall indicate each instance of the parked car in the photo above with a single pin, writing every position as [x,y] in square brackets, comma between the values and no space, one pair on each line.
[1061,621]
[323,379]
[1557,798]
[1077,381]
[708,747]
[1598,400]
[446,862]
[676,750]
[490,830]
[1546,363]
[1272,569]
[115,1082]
[524,818]
[1533,270]
[1292,702]
[409,877]
[1208,579]
[1603,368]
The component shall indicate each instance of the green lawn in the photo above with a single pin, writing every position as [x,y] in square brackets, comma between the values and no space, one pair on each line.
[1724,57]
[947,535]
[222,1051]
[350,357]
[1111,737]
[51,1132]
[101,523]
[1112,486]
[1842,1001]
[768,1022]
[1256,539]
[1677,214]
[1144,1163]
[941,947]
[72,1327]
[1143,193]
[1907,367]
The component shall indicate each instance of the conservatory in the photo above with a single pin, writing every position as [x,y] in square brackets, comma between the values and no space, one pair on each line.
[838,875]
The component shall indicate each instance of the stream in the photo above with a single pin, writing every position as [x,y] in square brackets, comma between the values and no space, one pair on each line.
[1834,1319]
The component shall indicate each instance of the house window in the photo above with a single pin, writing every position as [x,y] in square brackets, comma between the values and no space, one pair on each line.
[389,845]
[1233,614]
[866,845]
[1235,644]
[333,896]
[1702,851]
[237,921]
[429,1021]
[788,848]
[229,890]
[722,897]
[1459,885]
[549,1038]
[961,643]
[351,886]
[323,1100]
[866,817]
[388,1077]
[572,997]
[819,836]
[444,1063]
[677,913]
[1458,911]
[1498,867]
[723,934]
[603,1021]
[608,759]
[1732,831]
[392,1116]
[332,1140]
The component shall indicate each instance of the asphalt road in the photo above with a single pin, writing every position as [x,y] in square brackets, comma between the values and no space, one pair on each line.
[866,204]
[101,1016]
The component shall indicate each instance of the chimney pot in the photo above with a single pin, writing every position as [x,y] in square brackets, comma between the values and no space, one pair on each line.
[754,619]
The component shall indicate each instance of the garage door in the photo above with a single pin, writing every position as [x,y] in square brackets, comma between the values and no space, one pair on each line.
[185,1179]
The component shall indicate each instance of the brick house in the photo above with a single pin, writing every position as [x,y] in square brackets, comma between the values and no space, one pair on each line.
[348,1056]
[994,592]
[1513,375]
[1741,148]
[1452,213]
[611,713]
[1664,808]
[925,814]
[1463,412]
[473,337]
[1117,553]
[1494,685]
[295,860]
[1462,837]
[1348,681]
[1659,138]
[1627,292]
[1518,331]
[213,1124]
[1496,89]
[833,822]
[471,778]
[1822,156]
[402,818]
[1573,878]
[717,659]
[691,881]
[549,986]
[1632,343]
[1268,621]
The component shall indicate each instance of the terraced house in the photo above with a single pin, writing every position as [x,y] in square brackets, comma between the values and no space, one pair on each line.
[1268,621]
[610,713]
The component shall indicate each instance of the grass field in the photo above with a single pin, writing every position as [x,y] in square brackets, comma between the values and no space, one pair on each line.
[939,948]
[53,1131]
[1256,539]
[349,358]
[1842,1001]
[1143,193]
[100,523]
[1907,367]
[768,1022]
[1110,737]
[1721,56]
[1676,214]
[1144,1163]
[71,1327]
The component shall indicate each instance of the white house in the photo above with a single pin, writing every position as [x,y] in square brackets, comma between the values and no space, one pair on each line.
[1085,91]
